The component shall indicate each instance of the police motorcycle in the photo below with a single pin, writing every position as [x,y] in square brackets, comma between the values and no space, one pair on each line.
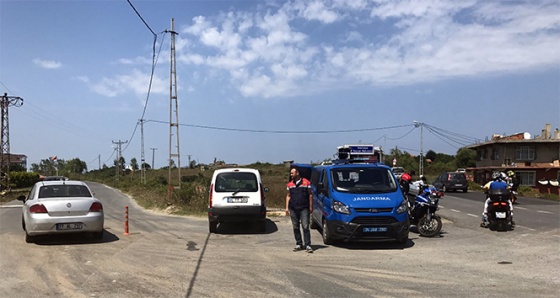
[423,212]
[499,213]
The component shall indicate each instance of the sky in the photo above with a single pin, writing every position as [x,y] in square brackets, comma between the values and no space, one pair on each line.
[269,81]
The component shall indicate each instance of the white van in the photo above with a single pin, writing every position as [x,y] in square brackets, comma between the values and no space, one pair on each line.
[236,194]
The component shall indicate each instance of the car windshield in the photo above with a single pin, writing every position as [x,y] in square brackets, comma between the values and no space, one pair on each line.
[363,180]
[236,182]
[63,191]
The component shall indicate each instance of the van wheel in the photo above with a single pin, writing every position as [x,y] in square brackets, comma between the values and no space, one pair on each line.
[262,226]
[213,226]
[327,238]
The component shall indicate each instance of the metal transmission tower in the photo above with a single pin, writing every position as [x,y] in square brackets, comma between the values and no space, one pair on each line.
[5,160]
[173,121]
[119,156]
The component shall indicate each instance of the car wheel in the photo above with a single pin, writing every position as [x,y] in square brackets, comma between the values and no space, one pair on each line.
[403,240]
[213,226]
[97,235]
[465,189]
[29,239]
[327,238]
[22,223]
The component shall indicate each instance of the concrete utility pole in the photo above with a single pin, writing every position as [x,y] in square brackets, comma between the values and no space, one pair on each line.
[5,160]
[173,122]
[153,151]
[421,166]
[142,159]
[119,155]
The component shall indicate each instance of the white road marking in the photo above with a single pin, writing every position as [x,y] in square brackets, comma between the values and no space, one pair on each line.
[455,210]
[10,206]
[473,215]
[522,208]
[547,212]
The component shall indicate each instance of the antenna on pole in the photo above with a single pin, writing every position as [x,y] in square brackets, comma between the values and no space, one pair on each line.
[5,158]
[173,121]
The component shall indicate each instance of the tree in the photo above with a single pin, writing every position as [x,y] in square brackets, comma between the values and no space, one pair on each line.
[466,158]
[192,164]
[134,164]
[431,155]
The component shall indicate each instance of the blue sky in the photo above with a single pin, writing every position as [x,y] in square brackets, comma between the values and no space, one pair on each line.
[275,80]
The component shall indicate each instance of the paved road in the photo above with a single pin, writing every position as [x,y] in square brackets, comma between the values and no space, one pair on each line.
[170,256]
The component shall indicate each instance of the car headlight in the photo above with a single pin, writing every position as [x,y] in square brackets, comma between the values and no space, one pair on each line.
[340,207]
[403,207]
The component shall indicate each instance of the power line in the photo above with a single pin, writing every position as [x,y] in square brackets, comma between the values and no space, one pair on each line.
[285,131]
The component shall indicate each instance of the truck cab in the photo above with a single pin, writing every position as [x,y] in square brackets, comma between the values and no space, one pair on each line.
[358,198]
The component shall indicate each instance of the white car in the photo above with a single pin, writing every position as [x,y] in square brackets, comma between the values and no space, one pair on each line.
[61,207]
[236,195]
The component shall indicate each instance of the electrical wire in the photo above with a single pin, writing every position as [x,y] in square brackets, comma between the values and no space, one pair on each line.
[283,131]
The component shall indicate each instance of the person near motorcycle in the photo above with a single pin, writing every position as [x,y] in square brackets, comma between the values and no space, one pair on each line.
[405,181]
[497,182]
[514,185]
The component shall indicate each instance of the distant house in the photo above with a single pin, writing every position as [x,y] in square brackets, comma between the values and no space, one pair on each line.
[17,159]
[536,161]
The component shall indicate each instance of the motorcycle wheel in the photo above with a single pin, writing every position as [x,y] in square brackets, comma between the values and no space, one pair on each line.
[431,228]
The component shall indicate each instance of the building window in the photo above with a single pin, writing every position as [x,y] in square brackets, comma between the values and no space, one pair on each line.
[526,178]
[525,153]
[495,154]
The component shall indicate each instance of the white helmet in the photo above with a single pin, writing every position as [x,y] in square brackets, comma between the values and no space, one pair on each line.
[496,175]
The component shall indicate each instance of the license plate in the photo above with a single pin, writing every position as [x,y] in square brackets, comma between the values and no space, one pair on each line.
[374,229]
[237,200]
[69,226]
[500,215]
[459,184]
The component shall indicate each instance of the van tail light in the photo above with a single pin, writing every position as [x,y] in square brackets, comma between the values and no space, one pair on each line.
[38,208]
[96,207]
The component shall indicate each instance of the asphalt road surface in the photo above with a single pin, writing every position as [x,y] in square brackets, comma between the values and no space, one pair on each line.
[172,256]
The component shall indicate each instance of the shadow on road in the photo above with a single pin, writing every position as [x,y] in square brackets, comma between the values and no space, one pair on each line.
[79,238]
[240,228]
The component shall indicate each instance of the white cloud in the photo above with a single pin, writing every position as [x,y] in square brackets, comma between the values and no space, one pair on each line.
[136,82]
[276,51]
[48,64]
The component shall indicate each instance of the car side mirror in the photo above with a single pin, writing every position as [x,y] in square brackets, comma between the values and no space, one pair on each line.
[21,198]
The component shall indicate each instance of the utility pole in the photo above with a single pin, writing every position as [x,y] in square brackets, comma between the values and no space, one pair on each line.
[153,151]
[119,155]
[421,166]
[142,159]
[173,122]
[5,160]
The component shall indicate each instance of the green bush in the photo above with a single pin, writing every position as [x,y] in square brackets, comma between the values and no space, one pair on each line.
[23,179]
